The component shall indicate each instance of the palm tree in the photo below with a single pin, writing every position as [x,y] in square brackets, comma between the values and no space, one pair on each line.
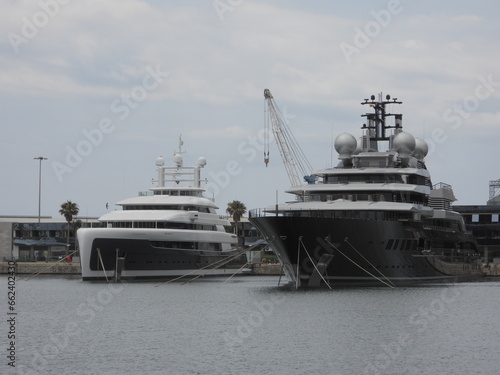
[237,209]
[68,210]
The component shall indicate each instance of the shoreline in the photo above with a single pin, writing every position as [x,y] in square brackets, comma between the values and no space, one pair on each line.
[63,268]
[42,268]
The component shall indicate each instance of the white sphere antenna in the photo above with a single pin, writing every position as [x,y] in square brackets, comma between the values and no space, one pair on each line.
[404,144]
[421,148]
[345,144]
[202,161]
[159,161]
[178,160]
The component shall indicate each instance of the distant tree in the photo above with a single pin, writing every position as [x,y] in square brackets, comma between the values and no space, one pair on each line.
[68,210]
[237,209]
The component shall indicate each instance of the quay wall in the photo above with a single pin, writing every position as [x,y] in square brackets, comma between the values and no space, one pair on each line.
[62,268]
[266,269]
[29,268]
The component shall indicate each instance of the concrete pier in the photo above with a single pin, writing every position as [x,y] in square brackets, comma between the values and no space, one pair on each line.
[265,269]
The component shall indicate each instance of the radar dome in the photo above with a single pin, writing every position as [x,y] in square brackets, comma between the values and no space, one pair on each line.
[421,148]
[178,160]
[202,161]
[159,161]
[358,147]
[404,143]
[345,144]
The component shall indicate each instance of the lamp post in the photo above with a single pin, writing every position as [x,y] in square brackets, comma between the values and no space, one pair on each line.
[40,158]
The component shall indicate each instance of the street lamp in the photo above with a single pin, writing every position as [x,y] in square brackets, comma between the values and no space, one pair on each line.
[40,158]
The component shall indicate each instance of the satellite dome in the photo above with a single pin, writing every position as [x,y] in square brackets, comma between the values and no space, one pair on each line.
[404,143]
[178,160]
[421,148]
[345,144]
[159,161]
[202,161]
[358,147]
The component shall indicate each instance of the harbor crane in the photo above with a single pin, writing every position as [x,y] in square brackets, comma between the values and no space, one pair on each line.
[296,164]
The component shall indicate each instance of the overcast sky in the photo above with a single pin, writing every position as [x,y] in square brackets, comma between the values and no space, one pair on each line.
[102,88]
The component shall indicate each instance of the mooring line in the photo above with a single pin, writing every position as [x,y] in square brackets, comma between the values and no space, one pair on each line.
[297,273]
[281,273]
[102,264]
[243,266]
[52,265]
[368,272]
[380,272]
[239,269]
[196,270]
[316,268]
[226,261]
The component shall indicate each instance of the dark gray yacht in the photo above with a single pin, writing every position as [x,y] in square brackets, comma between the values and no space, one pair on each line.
[375,218]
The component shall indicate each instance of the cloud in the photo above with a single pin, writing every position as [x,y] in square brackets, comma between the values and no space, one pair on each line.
[92,52]
[231,132]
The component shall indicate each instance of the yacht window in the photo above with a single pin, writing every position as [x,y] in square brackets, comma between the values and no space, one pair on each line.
[475,218]
[494,218]
[332,180]
[409,244]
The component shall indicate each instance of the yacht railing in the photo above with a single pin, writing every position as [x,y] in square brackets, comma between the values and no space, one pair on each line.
[379,181]
[442,185]
[440,228]
[358,197]
[334,214]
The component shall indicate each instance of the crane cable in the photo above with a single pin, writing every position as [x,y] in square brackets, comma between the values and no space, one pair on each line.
[296,163]
[266,135]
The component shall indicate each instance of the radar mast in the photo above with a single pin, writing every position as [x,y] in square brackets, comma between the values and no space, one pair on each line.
[377,122]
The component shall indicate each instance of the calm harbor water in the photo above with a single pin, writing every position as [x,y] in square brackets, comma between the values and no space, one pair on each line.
[249,325]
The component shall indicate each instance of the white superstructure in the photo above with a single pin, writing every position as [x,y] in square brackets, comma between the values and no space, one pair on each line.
[170,230]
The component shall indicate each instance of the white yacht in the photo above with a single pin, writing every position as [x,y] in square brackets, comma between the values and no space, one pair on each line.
[172,230]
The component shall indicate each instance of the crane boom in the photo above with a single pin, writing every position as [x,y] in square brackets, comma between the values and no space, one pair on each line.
[296,164]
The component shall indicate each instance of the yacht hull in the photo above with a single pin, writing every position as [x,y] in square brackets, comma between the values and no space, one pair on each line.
[131,254]
[320,251]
